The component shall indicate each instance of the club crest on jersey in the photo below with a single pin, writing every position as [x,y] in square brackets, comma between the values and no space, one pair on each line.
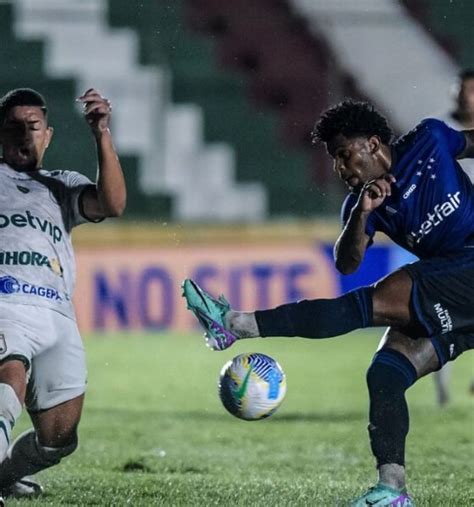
[436,217]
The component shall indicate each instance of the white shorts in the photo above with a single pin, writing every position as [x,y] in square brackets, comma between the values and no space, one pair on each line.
[51,346]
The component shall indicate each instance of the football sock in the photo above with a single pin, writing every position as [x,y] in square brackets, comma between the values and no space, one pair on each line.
[10,410]
[392,475]
[319,318]
[388,377]
[241,324]
[27,456]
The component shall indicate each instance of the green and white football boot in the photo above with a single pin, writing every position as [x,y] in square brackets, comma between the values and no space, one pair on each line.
[210,313]
[381,495]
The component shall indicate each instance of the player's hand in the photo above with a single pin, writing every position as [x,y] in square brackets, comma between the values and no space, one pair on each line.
[97,110]
[374,192]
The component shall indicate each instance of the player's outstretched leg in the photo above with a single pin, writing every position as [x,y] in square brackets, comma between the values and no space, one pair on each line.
[317,318]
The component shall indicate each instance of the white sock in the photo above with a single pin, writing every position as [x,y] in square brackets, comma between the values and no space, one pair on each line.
[10,410]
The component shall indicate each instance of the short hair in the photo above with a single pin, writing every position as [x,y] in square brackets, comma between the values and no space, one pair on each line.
[21,97]
[466,74]
[351,119]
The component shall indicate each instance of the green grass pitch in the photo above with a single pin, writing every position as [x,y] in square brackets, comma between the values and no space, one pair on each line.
[154,431]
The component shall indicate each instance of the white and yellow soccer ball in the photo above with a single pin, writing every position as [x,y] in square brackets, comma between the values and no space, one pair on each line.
[252,386]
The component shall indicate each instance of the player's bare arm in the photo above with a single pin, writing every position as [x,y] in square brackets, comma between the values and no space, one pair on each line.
[468,151]
[108,197]
[351,245]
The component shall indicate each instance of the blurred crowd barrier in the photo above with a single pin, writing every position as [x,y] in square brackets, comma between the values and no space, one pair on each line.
[129,277]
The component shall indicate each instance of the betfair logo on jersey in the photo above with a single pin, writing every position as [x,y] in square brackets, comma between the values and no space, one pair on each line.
[10,285]
[437,216]
[30,220]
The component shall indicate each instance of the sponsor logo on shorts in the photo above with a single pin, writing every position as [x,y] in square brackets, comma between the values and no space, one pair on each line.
[3,343]
[30,258]
[29,220]
[451,350]
[444,318]
[436,217]
[10,285]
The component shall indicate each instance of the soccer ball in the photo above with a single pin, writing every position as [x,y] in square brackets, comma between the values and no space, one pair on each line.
[252,386]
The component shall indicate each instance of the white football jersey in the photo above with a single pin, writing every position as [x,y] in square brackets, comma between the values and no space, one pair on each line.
[38,211]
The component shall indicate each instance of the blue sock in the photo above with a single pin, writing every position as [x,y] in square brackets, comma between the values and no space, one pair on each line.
[388,377]
[319,318]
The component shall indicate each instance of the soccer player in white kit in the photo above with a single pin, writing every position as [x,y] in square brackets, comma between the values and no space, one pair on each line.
[42,363]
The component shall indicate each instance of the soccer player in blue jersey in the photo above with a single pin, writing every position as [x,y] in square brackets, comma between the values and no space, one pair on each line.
[415,192]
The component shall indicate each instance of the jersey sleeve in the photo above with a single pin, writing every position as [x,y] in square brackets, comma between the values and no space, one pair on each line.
[370,226]
[74,185]
[454,140]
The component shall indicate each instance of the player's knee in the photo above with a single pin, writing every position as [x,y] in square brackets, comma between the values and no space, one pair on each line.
[390,372]
[64,440]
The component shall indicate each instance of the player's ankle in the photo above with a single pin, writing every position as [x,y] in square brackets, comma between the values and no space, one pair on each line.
[241,324]
[393,476]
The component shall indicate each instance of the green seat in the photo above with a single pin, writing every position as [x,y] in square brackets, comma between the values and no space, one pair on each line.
[223,96]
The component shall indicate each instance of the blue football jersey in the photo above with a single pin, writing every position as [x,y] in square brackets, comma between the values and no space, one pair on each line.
[431,209]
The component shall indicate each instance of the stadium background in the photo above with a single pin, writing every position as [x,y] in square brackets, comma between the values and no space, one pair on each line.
[213,102]
[213,106]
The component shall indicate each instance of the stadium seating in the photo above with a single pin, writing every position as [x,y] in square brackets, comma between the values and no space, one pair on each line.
[77,50]
[406,89]
[229,115]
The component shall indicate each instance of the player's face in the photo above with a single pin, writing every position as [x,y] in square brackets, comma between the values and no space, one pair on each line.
[356,160]
[24,137]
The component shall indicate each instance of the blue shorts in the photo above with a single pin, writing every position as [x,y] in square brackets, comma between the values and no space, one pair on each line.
[443,301]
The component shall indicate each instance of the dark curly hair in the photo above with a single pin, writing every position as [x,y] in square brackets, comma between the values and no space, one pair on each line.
[21,97]
[351,119]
